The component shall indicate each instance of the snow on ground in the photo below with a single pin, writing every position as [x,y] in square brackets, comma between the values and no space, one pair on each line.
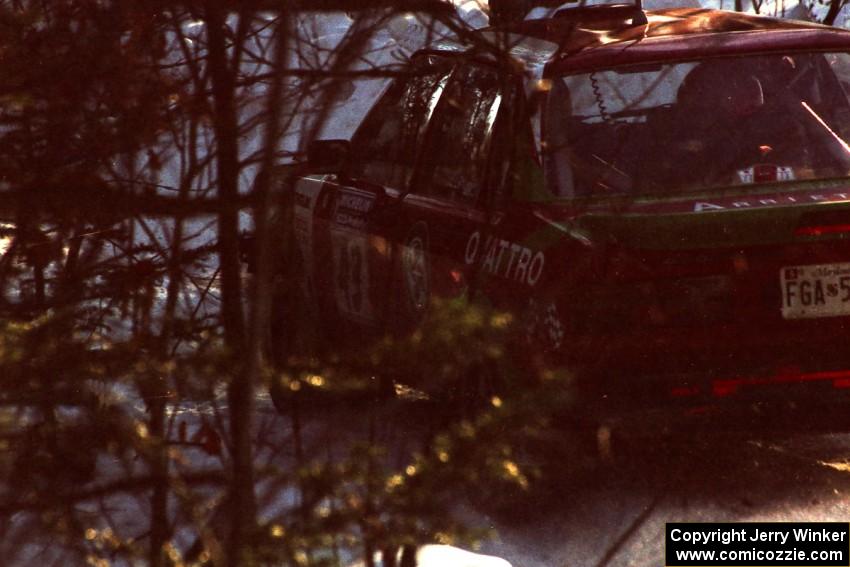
[447,556]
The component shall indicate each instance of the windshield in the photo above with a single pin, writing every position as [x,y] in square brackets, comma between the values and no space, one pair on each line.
[686,127]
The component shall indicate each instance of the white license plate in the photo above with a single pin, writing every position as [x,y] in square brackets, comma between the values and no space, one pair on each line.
[821,290]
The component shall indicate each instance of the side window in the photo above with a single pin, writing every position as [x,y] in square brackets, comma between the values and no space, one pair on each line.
[384,147]
[454,162]
[513,171]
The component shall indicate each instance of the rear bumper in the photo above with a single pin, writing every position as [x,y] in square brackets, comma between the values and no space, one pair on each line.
[782,406]
[770,344]
[806,364]
[791,414]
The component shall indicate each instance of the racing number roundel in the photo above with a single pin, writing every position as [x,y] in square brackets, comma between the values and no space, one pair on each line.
[352,276]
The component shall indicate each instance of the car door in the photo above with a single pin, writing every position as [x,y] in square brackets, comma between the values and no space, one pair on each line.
[444,216]
[357,207]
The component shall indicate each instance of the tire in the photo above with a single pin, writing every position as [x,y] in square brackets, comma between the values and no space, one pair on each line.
[294,329]
[292,307]
[280,347]
[478,388]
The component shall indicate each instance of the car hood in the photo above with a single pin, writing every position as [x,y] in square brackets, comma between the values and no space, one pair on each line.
[763,216]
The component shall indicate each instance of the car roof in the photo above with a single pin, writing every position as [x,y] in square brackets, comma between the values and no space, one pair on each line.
[604,36]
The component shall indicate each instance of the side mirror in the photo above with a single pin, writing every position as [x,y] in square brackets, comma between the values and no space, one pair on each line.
[328,155]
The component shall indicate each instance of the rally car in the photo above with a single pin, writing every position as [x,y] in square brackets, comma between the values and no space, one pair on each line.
[661,197]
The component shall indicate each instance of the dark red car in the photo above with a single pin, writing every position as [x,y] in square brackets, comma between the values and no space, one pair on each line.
[662,198]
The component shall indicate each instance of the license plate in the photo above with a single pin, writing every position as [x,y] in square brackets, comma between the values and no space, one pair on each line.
[821,290]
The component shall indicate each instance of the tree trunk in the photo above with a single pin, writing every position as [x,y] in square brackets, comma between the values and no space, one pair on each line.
[240,394]
[834,9]
[159,473]
[507,11]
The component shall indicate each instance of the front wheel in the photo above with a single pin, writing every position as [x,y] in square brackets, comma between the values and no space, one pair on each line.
[294,331]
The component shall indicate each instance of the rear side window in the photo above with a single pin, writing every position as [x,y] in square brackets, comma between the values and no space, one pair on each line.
[384,147]
[454,162]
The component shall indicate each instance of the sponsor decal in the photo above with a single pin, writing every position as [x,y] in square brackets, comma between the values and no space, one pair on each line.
[354,202]
[414,264]
[543,326]
[307,191]
[702,206]
[506,259]
[765,173]
[351,209]
[351,253]
[353,222]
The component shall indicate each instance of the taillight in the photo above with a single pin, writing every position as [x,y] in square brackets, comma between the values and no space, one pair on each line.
[684,391]
[818,223]
[726,387]
[819,230]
